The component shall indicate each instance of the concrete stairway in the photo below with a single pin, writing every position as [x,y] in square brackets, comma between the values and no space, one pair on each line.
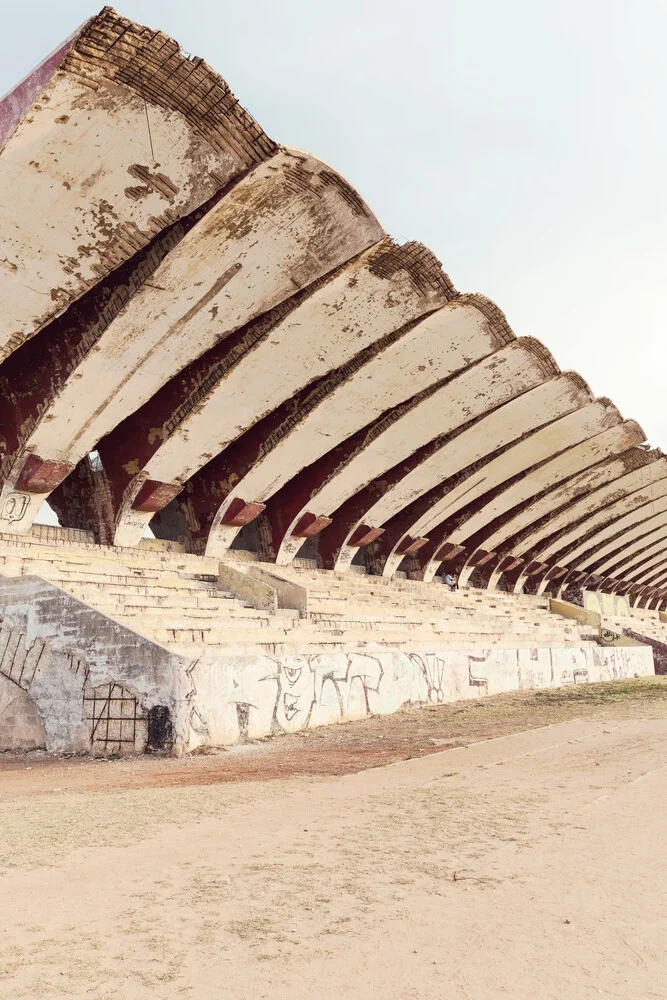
[645,622]
[170,597]
[175,600]
[398,610]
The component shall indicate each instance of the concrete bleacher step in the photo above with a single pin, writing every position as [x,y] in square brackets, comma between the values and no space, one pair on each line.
[174,599]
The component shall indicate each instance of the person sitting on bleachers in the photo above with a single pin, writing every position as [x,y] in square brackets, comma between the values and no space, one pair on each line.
[450,581]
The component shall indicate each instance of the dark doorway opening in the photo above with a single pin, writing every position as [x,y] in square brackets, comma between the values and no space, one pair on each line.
[160,729]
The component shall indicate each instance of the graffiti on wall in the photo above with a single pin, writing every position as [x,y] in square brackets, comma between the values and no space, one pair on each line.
[239,698]
[46,699]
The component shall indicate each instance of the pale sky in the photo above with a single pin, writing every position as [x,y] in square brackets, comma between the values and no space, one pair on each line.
[523,141]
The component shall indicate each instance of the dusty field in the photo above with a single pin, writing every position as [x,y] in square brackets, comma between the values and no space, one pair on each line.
[530,864]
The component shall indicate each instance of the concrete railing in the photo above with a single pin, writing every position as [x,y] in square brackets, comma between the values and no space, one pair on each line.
[607,637]
[251,589]
[575,612]
[290,595]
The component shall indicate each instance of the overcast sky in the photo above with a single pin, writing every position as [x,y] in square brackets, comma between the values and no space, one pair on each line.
[523,141]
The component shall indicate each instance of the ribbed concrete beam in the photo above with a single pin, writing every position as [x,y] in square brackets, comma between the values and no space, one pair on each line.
[650,576]
[605,482]
[645,597]
[424,355]
[477,530]
[645,466]
[583,546]
[652,558]
[340,321]
[581,556]
[585,515]
[449,520]
[560,469]
[111,139]
[374,451]
[630,554]
[283,226]
[510,412]
[484,441]
[620,531]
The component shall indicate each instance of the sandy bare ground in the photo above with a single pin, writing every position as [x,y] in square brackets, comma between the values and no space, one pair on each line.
[528,865]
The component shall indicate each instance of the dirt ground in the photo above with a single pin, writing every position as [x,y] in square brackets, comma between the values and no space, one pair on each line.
[508,847]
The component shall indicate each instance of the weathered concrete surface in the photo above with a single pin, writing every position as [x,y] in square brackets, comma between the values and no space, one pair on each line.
[650,556]
[658,647]
[378,447]
[409,367]
[210,332]
[653,574]
[339,321]
[609,522]
[476,529]
[20,725]
[634,525]
[92,681]
[287,223]
[112,138]
[470,450]
[580,615]
[574,519]
[621,475]
[632,551]
[448,455]
[219,671]
[255,592]
[570,461]
[247,697]
[441,521]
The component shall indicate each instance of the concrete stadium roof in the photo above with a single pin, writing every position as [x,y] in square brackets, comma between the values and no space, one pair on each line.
[209,333]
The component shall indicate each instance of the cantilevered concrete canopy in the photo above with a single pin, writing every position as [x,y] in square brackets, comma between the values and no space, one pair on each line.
[613,441]
[342,321]
[369,456]
[465,499]
[632,552]
[423,358]
[569,502]
[499,424]
[284,225]
[114,137]
[203,330]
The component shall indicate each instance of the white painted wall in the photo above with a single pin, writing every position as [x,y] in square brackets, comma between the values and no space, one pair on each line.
[292,693]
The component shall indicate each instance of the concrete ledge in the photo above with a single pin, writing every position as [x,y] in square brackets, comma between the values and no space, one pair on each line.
[289,594]
[249,588]
[579,615]
[609,638]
